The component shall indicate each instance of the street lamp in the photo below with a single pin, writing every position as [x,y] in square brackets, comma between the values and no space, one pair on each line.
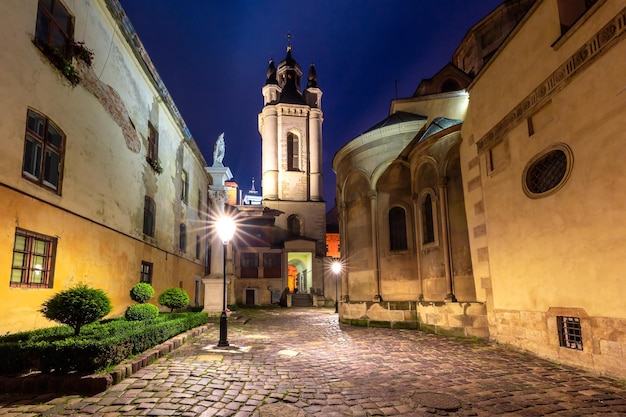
[225,229]
[336,267]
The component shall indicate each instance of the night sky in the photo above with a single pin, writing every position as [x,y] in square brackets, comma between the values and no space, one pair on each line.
[213,56]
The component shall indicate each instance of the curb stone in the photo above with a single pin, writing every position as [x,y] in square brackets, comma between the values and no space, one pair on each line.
[73,383]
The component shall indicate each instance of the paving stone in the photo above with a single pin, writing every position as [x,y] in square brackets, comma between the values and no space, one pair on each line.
[339,371]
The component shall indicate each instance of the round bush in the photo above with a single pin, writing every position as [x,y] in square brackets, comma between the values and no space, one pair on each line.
[173,298]
[141,292]
[77,306]
[138,312]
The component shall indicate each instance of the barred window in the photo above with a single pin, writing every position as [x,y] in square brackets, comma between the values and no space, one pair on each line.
[570,332]
[33,260]
[547,173]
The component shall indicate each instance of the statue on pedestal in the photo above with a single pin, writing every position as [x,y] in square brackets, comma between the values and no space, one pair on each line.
[219,149]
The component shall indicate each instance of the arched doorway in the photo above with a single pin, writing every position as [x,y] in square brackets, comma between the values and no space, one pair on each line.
[299,272]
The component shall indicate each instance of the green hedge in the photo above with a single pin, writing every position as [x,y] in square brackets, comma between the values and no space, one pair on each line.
[98,346]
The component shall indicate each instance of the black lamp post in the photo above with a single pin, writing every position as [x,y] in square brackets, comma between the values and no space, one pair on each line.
[226,230]
[336,267]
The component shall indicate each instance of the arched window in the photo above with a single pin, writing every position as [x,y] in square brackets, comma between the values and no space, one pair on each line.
[397,229]
[293,225]
[428,220]
[450,85]
[293,152]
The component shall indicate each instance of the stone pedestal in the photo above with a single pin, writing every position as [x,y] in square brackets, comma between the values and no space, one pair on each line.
[214,294]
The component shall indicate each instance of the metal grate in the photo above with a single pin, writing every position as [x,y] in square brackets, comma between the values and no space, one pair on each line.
[547,172]
[570,333]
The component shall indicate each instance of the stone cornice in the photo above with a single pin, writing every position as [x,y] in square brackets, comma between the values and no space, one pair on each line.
[601,42]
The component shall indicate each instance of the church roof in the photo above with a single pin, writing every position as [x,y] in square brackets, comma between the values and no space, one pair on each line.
[397,117]
[290,93]
[437,125]
[288,61]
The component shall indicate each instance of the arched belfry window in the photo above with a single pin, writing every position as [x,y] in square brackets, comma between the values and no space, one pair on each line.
[293,225]
[397,229]
[428,220]
[293,152]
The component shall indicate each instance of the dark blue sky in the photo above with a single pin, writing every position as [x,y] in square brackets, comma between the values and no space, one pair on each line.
[212,57]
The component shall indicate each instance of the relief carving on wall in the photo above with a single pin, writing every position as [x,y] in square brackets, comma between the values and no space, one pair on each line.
[601,42]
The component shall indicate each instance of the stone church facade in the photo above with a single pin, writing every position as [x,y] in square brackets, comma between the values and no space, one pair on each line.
[488,204]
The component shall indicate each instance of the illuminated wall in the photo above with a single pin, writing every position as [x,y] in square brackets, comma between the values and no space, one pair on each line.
[96,214]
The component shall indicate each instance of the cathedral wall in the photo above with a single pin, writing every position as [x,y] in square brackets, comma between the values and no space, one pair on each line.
[556,254]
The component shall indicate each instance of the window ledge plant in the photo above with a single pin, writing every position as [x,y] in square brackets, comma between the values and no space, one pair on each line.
[64,63]
[154,163]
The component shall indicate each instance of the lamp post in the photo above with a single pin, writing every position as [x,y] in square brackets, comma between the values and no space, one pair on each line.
[336,267]
[225,229]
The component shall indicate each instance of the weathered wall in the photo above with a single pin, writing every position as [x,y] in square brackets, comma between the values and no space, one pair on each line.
[98,215]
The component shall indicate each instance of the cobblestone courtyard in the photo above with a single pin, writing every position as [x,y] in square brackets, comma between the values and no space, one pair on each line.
[301,362]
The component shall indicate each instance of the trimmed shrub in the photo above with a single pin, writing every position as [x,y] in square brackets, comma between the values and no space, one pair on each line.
[121,340]
[140,312]
[141,292]
[77,306]
[174,298]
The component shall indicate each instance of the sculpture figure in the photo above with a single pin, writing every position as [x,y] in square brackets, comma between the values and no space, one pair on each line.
[218,151]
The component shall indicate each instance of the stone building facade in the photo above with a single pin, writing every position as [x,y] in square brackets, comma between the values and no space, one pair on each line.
[506,191]
[100,180]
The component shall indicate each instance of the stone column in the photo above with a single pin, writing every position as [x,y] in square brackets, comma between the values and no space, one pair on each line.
[375,246]
[343,248]
[445,238]
[418,242]
[213,283]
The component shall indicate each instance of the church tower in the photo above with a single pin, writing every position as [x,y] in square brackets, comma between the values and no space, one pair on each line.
[290,125]
[291,128]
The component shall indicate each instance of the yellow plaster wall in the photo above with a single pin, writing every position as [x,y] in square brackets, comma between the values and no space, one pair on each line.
[86,252]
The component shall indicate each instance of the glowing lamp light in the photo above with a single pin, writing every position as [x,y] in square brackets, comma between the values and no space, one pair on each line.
[225,228]
[336,267]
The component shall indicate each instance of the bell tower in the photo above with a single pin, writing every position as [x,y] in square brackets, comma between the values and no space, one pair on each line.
[290,126]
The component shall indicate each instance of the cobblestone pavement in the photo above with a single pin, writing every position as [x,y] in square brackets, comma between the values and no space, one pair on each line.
[301,363]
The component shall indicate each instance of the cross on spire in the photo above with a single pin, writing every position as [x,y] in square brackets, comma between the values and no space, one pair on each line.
[289,36]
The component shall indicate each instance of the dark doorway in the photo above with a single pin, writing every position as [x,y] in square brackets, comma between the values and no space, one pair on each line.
[249,297]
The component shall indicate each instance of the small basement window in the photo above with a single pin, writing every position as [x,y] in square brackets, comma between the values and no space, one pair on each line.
[570,332]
